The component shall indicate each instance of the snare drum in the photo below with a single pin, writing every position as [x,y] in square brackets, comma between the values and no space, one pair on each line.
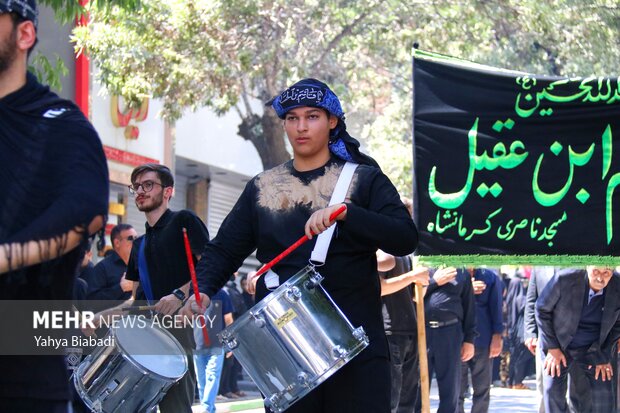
[293,340]
[133,373]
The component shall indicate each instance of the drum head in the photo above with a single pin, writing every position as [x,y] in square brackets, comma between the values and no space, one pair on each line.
[154,349]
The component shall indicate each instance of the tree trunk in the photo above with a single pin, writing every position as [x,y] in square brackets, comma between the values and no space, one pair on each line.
[267,135]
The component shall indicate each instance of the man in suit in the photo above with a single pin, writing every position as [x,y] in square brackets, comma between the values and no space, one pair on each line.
[578,317]
[539,278]
[488,343]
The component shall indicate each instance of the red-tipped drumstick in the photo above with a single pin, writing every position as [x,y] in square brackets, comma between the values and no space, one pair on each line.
[192,272]
[297,243]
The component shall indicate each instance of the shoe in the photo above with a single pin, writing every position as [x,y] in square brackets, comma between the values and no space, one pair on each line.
[221,398]
[520,386]
[231,395]
[240,393]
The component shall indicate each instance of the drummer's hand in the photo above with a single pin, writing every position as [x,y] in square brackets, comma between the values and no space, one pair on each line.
[89,330]
[229,354]
[191,307]
[319,221]
[168,305]
[251,283]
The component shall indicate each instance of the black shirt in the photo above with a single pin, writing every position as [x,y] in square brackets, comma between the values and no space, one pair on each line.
[104,281]
[398,308]
[54,177]
[165,251]
[452,300]
[270,216]
[166,258]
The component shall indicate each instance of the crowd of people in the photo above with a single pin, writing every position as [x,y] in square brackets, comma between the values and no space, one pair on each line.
[552,323]
[55,170]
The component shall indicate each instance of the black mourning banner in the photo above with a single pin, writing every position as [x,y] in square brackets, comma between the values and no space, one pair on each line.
[515,168]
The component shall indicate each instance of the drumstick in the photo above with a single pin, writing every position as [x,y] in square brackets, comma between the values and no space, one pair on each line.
[192,272]
[138,308]
[79,314]
[297,243]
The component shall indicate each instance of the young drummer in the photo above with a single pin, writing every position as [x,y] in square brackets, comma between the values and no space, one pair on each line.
[280,203]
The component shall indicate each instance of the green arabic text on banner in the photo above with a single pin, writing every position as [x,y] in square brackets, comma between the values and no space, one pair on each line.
[515,166]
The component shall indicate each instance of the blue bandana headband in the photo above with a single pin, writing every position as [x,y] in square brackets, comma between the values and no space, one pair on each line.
[302,95]
[313,93]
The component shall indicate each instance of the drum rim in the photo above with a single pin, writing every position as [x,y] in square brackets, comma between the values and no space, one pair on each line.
[91,404]
[318,380]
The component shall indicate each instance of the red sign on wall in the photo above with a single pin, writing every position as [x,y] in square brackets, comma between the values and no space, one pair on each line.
[127,158]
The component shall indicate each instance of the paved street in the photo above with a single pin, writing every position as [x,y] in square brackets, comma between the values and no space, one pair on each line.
[502,400]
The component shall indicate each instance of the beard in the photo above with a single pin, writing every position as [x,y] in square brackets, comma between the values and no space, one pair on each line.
[8,51]
[155,202]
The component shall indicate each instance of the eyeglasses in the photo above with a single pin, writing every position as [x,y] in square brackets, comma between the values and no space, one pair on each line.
[147,186]
[130,238]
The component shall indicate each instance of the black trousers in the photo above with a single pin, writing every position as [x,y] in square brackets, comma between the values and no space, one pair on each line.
[444,359]
[520,361]
[480,366]
[180,397]
[229,381]
[405,372]
[359,386]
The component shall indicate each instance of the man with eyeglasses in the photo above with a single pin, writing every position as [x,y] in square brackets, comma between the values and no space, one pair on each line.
[158,264]
[54,179]
[108,282]
[578,317]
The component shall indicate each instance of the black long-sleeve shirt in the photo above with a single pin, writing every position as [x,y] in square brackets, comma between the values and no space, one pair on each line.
[104,282]
[54,178]
[452,300]
[270,216]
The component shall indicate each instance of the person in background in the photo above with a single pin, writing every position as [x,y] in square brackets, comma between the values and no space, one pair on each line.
[80,288]
[488,344]
[229,385]
[520,357]
[539,277]
[399,318]
[107,281]
[578,317]
[209,359]
[248,298]
[450,313]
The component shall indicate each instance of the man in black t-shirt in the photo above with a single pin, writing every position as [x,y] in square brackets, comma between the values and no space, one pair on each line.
[278,205]
[399,320]
[54,180]
[158,264]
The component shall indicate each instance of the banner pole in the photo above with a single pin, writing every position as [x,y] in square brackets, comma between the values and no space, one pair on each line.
[422,355]
[414,195]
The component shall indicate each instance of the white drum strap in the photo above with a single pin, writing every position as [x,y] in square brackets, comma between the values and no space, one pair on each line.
[340,192]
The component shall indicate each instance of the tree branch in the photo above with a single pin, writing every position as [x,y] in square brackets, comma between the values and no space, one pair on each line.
[347,30]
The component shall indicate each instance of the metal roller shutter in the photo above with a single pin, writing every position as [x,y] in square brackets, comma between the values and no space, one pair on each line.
[222,198]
